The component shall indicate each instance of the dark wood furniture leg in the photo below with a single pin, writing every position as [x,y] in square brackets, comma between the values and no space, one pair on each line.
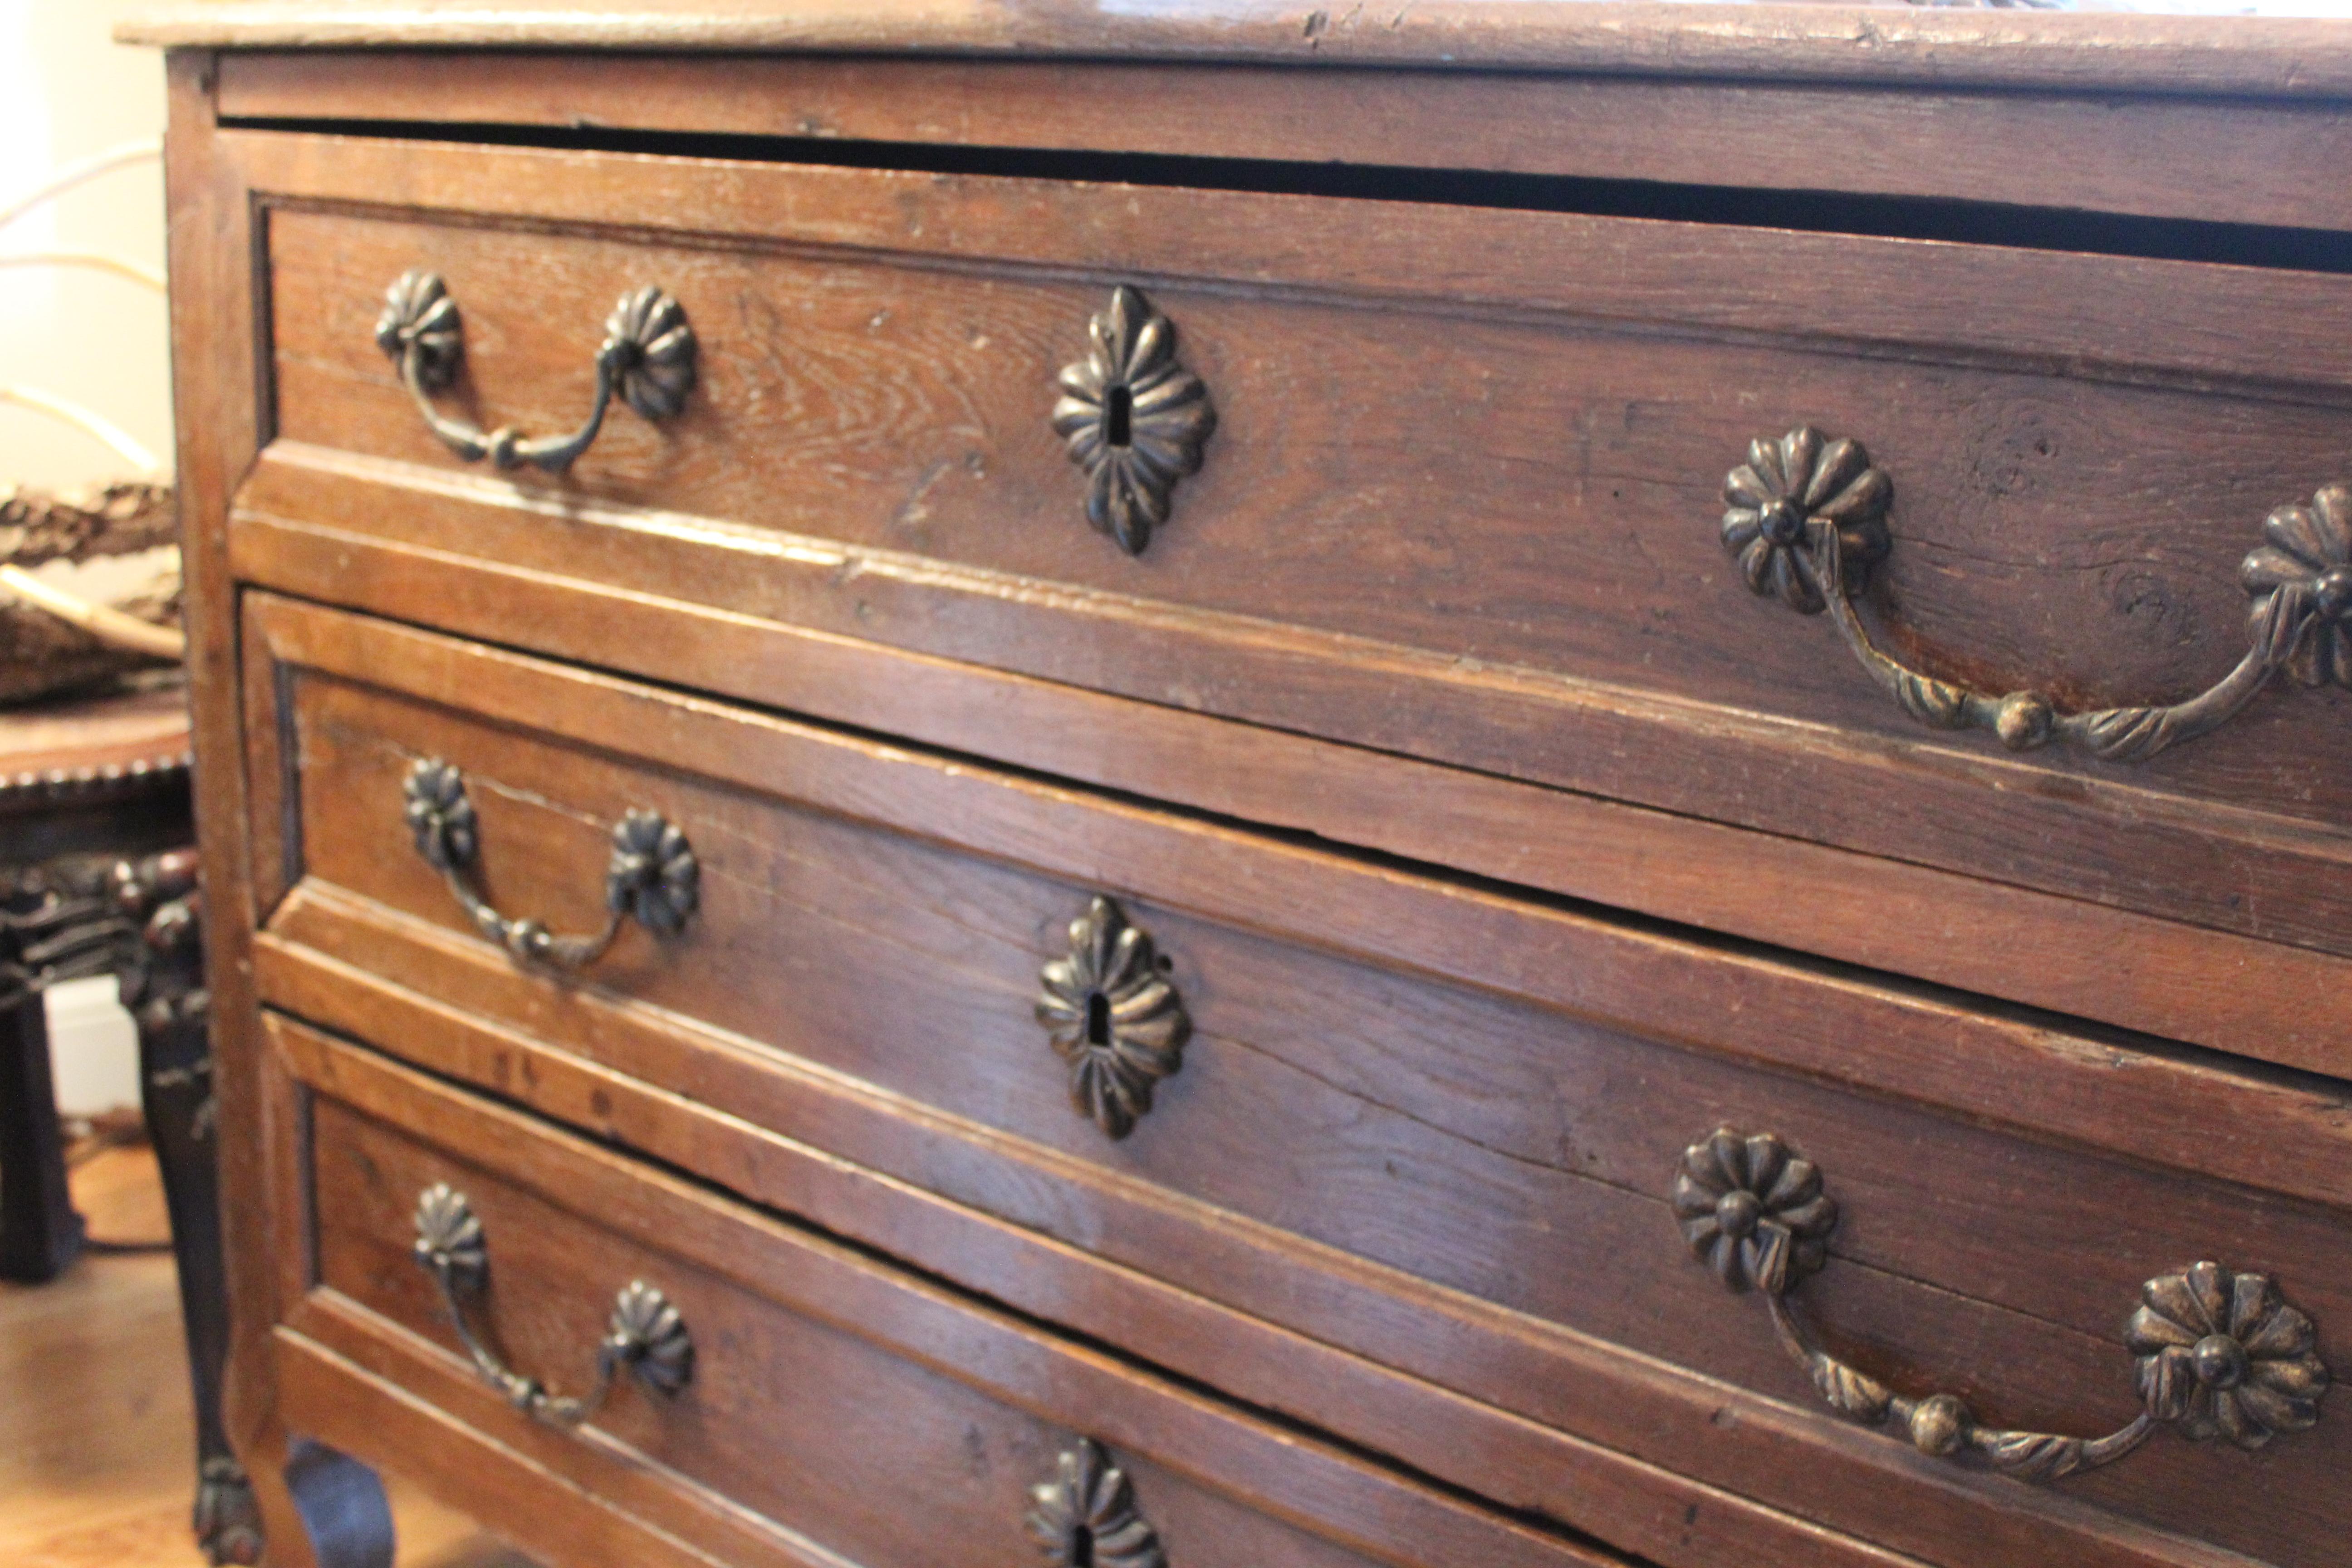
[39,1232]
[163,983]
[55,925]
[96,878]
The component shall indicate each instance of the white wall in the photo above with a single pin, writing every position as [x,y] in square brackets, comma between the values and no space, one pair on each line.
[67,91]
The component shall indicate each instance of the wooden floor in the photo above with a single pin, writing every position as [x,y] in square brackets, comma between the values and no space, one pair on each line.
[97,1450]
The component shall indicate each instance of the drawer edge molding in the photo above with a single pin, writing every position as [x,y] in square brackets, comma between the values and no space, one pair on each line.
[1808,521]
[2220,1352]
[2046,1072]
[1670,1443]
[301,530]
[1268,1467]
[2085,316]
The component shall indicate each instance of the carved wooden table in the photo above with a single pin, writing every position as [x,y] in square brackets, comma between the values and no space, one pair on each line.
[98,876]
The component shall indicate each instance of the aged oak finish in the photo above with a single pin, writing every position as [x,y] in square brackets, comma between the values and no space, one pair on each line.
[841,1409]
[2255,998]
[1170,1047]
[1513,636]
[1278,1114]
[2098,52]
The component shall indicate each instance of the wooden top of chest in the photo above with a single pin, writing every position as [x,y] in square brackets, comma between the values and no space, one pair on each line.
[1893,43]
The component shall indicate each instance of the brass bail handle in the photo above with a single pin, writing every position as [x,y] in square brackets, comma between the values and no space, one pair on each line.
[1807,523]
[651,875]
[644,1335]
[2220,1352]
[647,357]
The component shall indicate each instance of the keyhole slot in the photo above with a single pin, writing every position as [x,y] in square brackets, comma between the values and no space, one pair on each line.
[1119,415]
[1098,1019]
[1082,1548]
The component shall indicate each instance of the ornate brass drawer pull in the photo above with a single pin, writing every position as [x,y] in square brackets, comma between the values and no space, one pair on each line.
[648,356]
[652,875]
[1113,1017]
[2220,1353]
[1133,419]
[645,1335]
[1808,521]
[1087,1517]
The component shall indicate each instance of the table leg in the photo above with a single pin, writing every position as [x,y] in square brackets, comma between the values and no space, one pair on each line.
[39,1232]
[164,989]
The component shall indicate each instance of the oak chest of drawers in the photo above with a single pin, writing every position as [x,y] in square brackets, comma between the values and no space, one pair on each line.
[1507,784]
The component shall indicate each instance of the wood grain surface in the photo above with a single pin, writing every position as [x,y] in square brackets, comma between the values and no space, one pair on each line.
[1888,1039]
[1447,495]
[455,557]
[2085,316]
[1435,1132]
[217,367]
[91,737]
[2096,51]
[874,1414]
[1498,841]
[1651,1478]
[2230,162]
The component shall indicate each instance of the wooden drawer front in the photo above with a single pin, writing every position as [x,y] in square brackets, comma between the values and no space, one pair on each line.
[1464,1181]
[838,1410]
[1464,494]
